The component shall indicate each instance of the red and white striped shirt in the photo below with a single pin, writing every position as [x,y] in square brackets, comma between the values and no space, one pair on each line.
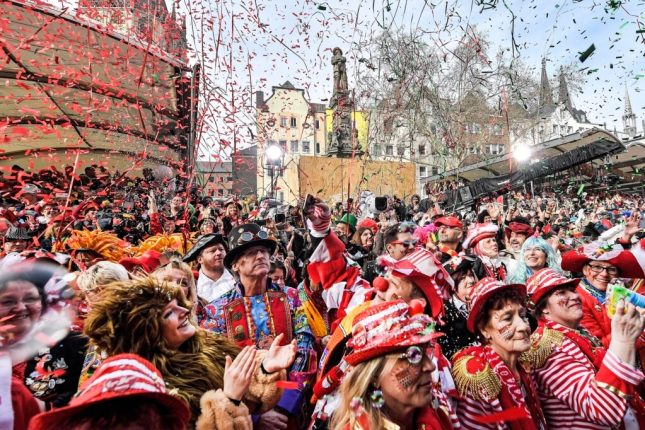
[574,395]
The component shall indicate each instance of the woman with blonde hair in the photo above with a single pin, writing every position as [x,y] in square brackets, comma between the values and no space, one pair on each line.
[390,384]
[181,274]
[151,319]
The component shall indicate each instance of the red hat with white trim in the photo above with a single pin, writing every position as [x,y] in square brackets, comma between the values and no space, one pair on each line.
[479,232]
[388,327]
[544,281]
[121,376]
[627,262]
[482,291]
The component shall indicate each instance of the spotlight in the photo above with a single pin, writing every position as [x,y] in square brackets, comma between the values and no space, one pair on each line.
[273,155]
[521,153]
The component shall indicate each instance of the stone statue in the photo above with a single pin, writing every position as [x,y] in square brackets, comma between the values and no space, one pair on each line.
[340,74]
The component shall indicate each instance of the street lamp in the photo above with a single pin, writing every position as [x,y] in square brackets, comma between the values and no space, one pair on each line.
[273,155]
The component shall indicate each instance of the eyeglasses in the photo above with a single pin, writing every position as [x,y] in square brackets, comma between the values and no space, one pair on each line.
[406,243]
[247,236]
[613,271]
[414,354]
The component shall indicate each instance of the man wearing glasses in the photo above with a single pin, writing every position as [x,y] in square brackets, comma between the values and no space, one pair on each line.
[599,265]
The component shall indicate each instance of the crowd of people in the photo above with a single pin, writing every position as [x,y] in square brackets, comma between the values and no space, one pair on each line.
[135,303]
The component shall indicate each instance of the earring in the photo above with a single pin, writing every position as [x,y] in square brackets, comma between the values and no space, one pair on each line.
[377,400]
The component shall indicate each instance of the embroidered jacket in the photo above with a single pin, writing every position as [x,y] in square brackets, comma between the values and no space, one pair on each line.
[581,384]
[260,318]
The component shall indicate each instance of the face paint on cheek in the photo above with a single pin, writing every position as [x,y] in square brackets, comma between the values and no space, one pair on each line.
[562,302]
[407,376]
[506,333]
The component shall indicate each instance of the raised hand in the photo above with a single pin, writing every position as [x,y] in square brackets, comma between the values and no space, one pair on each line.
[238,373]
[279,357]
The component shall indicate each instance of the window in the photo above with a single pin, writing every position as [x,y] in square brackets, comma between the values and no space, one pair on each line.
[555,129]
[293,122]
[475,128]
[422,150]
[294,146]
[283,144]
[495,149]
[283,121]
[422,172]
[305,147]
[389,150]
[400,150]
[498,130]
[317,124]
[317,148]
[377,149]
[281,196]
[569,130]
[434,170]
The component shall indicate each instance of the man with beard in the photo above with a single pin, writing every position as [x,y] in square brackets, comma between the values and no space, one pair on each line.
[214,279]
[451,232]
[515,234]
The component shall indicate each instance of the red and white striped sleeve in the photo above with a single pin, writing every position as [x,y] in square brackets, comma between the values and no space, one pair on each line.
[598,397]
[470,409]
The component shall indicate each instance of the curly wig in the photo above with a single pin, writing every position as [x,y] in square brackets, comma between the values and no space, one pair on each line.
[128,318]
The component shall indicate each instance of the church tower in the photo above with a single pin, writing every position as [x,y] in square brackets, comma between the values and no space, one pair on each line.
[629,119]
[546,94]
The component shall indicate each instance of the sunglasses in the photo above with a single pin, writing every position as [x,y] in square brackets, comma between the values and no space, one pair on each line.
[406,243]
[247,236]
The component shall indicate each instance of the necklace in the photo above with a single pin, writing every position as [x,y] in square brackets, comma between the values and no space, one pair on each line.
[595,292]
[253,330]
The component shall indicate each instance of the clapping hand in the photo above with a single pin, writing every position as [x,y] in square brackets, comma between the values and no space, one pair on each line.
[238,373]
[279,357]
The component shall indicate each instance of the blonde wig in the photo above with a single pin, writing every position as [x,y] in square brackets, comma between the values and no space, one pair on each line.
[101,274]
[190,277]
[128,318]
[360,383]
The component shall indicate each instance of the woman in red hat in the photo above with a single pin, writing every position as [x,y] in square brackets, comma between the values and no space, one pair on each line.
[390,384]
[496,392]
[481,241]
[581,384]
[599,264]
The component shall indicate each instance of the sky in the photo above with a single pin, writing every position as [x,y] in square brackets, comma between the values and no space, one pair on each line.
[250,45]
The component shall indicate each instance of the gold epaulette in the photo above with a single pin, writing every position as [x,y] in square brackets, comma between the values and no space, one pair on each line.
[541,347]
[474,377]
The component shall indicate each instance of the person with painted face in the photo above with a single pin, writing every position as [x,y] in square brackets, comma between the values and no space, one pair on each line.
[581,384]
[481,242]
[599,264]
[390,382]
[490,378]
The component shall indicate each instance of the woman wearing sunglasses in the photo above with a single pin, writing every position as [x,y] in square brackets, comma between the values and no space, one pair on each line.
[390,383]
[496,392]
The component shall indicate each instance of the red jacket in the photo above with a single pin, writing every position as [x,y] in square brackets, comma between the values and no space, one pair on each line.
[595,319]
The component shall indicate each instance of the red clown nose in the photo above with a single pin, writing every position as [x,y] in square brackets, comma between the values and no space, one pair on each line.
[380,284]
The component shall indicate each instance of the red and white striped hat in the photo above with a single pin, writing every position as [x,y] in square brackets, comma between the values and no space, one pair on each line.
[120,376]
[482,291]
[387,327]
[478,232]
[427,273]
[544,281]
